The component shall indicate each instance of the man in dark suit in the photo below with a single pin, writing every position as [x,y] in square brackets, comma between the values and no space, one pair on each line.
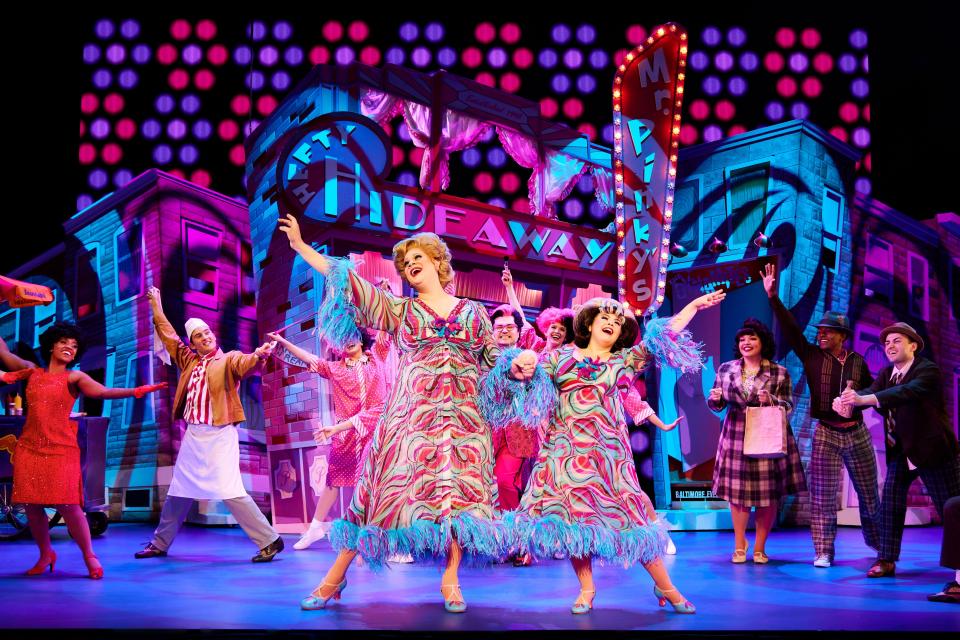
[918,435]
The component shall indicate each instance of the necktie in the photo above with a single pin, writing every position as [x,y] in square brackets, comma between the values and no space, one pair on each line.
[891,422]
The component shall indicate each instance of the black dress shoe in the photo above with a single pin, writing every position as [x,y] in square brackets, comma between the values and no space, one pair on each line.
[882,569]
[268,552]
[150,551]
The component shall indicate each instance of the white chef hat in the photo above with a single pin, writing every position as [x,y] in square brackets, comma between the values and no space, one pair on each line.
[193,324]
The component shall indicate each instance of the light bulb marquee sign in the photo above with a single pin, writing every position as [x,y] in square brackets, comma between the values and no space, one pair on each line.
[647,96]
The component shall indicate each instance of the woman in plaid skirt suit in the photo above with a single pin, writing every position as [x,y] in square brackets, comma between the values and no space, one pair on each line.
[745,482]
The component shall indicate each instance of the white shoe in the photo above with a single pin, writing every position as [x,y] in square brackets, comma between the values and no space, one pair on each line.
[822,561]
[317,531]
[401,558]
[671,548]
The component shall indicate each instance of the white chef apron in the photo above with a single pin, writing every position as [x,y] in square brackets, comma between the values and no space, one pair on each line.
[208,465]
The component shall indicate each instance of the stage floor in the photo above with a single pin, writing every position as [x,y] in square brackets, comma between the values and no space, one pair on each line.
[208,582]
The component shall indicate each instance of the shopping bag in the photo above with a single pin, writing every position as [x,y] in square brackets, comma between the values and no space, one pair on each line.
[765,435]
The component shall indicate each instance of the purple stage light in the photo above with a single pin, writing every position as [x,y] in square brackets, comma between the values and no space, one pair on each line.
[447,57]
[100,128]
[496,157]
[141,54]
[471,157]
[102,79]
[858,39]
[599,59]
[151,129]
[282,31]
[774,111]
[122,177]
[585,183]
[403,132]
[293,56]
[607,133]
[560,33]
[409,32]
[497,57]
[712,133]
[344,55]
[586,33]
[407,179]
[162,154]
[712,85]
[699,60]
[597,210]
[254,80]
[737,86]
[560,83]
[176,129]
[737,37]
[395,55]
[202,129]
[164,103]
[130,29]
[420,57]
[723,61]
[847,63]
[799,111]
[548,58]
[192,54]
[103,29]
[860,88]
[749,61]
[798,62]
[97,179]
[257,30]
[188,154]
[242,55]
[248,128]
[866,63]
[861,137]
[91,53]
[863,185]
[434,32]
[190,104]
[128,78]
[586,84]
[711,36]
[573,208]
[269,56]
[572,59]
[84,201]
[280,80]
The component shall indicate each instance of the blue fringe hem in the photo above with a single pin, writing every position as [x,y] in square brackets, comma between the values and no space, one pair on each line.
[504,401]
[336,318]
[482,540]
[550,536]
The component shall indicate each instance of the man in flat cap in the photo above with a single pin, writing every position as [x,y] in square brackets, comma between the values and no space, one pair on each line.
[208,464]
[919,438]
[837,439]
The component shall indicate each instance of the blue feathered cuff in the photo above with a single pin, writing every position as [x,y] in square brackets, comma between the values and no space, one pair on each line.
[336,318]
[505,401]
[671,348]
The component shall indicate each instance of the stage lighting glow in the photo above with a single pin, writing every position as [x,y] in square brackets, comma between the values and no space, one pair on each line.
[165,103]
[699,109]
[586,33]
[206,30]
[178,79]
[269,56]
[228,129]
[188,154]
[599,59]
[737,86]
[407,179]
[91,53]
[712,85]
[257,30]
[237,155]
[497,57]
[242,55]
[736,130]
[868,162]
[572,59]
[723,61]
[607,133]
[866,64]
[847,63]
[866,112]
[113,103]
[282,31]
[549,107]
[773,62]
[204,79]
[486,79]
[737,37]
[151,129]
[810,38]
[88,153]
[394,55]
[434,32]
[192,54]
[240,104]
[712,133]
[471,157]
[861,137]
[254,80]
[560,33]
[130,29]
[863,185]
[266,105]
[860,88]
[485,33]
[89,103]
[823,62]
[190,103]
[774,111]
[358,31]
[509,183]
[749,61]
[510,33]
[858,39]
[799,111]
[176,129]
[83,128]
[472,58]
[711,36]
[523,58]
[573,208]
[548,58]
[333,31]
[510,82]
[344,55]
[585,184]
[560,83]
[371,56]
[572,108]
[586,84]
[141,54]
[420,57]
[83,201]
[111,153]
[798,62]
[588,130]
[162,154]
[280,80]
[122,177]
[725,110]
[293,56]
[839,133]
[786,37]
[202,129]
[103,29]
[787,86]
[200,177]
[128,78]
[811,87]
[699,60]
[102,79]
[497,202]
[180,29]
[403,132]
[636,34]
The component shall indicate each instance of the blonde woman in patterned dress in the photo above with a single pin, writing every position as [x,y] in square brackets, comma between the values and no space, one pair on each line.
[584,499]
[427,487]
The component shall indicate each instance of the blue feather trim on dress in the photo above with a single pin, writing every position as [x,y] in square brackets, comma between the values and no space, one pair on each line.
[670,348]
[336,318]
[505,401]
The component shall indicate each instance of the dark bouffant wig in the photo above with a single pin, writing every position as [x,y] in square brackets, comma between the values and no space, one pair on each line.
[629,330]
[753,327]
[57,332]
[507,310]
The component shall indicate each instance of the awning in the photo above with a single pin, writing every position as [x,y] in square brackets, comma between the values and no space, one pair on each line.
[24,294]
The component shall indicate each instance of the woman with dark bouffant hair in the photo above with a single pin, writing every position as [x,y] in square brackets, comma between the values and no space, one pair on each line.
[46,462]
[752,380]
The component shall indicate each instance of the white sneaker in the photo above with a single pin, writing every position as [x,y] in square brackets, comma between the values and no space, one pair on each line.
[822,561]
[401,558]
[671,548]
[317,531]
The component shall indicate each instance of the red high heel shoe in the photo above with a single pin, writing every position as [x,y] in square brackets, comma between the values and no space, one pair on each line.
[42,564]
[96,573]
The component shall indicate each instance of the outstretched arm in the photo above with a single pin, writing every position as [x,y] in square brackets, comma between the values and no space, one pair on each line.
[11,361]
[308,358]
[507,278]
[289,225]
[93,389]
[682,319]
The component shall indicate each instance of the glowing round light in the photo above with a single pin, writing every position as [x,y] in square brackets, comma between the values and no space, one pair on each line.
[549,107]
[472,57]
[711,36]
[866,64]
[257,30]
[724,110]
[486,79]
[737,37]
[111,153]
[510,33]
[403,132]
[774,111]
[206,30]
[192,54]
[599,59]
[282,31]
[240,104]
[607,133]
[839,133]
[266,105]
[254,80]
[483,182]
[572,59]
[103,29]
[548,58]
[202,129]
[560,83]
[810,38]
[860,88]
[497,202]
[188,154]
[712,133]
[228,130]
[176,129]
[113,103]
[293,56]
[269,56]
[699,60]
[497,57]
[177,173]
[858,39]
[861,137]
[560,33]
[165,103]
[847,63]
[471,157]
[588,130]
[586,33]
[91,53]
[573,209]
[88,153]
[395,55]
[737,86]
[585,184]
[89,103]
[798,62]
[523,58]
[866,112]
[141,54]
[723,61]
[749,61]
[521,204]
[83,201]
[787,86]
[496,157]
[699,110]
[162,154]
[447,57]
[128,78]
[688,134]
[510,82]
[242,55]
[151,129]
[333,31]
[344,55]
[773,62]
[178,79]
[636,34]
[811,87]
[167,54]
[799,111]
[249,126]
[712,85]
[420,57]
[823,63]
[122,177]
[201,178]
[409,32]
[130,29]
[572,108]
[863,185]
[785,37]
[586,84]
[485,33]
[736,130]
[180,29]
[102,79]
[868,162]
[204,79]
[237,155]
[97,179]
[190,103]
[280,80]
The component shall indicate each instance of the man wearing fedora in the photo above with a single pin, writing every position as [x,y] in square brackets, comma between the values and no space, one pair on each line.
[919,438]
[208,464]
[837,439]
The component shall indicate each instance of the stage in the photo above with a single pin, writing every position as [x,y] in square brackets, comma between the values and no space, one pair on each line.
[208,582]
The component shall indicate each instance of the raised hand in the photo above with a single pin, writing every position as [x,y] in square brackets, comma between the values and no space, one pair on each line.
[143,390]
[506,277]
[264,350]
[289,225]
[709,300]
[154,295]
[769,275]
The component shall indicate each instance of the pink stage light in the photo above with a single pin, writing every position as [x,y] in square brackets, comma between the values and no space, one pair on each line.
[180,29]
[89,103]
[823,62]
[510,82]
[521,204]
[266,104]
[166,54]
[370,56]
[839,133]
[200,177]
[811,87]
[618,57]
[472,57]
[636,34]
[319,55]
[509,183]
[416,156]
[699,109]
[206,29]
[486,79]
[178,79]
[725,110]
[588,130]
[177,173]
[204,79]
[227,129]
[398,156]
[483,182]
[868,162]
[217,54]
[688,134]
[548,107]
[88,153]
[83,128]
[736,130]
[510,33]
[785,37]
[773,62]
[485,32]
[126,129]
[112,153]
[240,105]
[332,31]
[787,86]
[810,38]
[866,112]
[237,155]
[358,31]
[523,58]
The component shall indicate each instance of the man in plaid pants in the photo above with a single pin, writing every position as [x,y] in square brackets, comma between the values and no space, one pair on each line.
[920,440]
[838,440]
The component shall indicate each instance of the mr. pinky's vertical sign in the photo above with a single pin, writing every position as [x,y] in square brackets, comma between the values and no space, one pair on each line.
[647,96]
